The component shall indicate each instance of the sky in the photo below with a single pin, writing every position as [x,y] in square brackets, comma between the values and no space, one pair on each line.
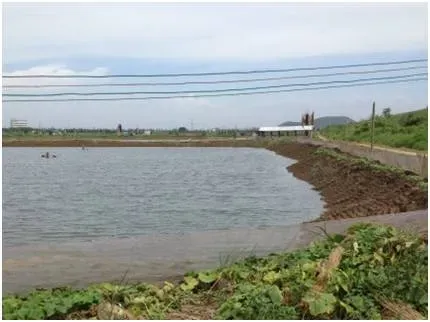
[145,38]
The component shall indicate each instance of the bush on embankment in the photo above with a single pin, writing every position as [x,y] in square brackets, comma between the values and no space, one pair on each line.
[372,272]
[407,130]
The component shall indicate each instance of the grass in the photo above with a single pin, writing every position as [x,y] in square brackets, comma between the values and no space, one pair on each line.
[407,130]
[375,166]
[30,134]
[372,272]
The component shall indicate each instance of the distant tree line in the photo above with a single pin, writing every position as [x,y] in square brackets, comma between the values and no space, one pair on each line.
[130,131]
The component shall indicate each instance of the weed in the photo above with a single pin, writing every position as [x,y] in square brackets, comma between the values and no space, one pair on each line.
[366,163]
[374,271]
[408,130]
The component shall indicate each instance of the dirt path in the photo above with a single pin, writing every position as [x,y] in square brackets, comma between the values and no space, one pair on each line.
[415,221]
[376,147]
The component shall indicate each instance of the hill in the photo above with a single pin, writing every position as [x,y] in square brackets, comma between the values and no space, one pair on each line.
[405,130]
[289,123]
[323,122]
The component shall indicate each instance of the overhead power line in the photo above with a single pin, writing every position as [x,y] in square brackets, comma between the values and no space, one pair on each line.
[215,90]
[215,95]
[261,71]
[386,70]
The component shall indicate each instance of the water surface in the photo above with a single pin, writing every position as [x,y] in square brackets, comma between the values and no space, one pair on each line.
[123,192]
[88,215]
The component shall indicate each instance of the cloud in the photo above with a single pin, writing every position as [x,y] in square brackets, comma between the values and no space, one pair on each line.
[209,31]
[51,70]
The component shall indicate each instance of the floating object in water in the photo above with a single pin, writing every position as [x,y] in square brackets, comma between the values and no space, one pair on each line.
[47,155]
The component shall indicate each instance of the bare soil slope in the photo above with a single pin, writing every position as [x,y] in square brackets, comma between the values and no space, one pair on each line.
[352,190]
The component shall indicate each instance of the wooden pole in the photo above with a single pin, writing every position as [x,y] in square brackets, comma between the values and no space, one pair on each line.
[372,133]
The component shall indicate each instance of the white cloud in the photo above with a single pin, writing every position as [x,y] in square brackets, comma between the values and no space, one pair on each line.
[51,70]
[209,31]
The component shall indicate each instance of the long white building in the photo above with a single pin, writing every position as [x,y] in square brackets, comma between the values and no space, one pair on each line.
[286,130]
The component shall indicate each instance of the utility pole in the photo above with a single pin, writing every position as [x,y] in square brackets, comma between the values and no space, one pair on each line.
[372,133]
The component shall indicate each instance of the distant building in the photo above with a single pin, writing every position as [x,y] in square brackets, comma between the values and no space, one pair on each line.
[14,123]
[286,130]
[147,132]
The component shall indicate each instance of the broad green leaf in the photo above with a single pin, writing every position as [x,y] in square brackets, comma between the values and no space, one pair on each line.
[341,281]
[35,313]
[348,308]
[424,299]
[168,286]
[244,275]
[50,309]
[320,303]
[271,277]
[275,294]
[208,277]
[358,302]
[190,283]
[309,267]
[63,309]
[160,294]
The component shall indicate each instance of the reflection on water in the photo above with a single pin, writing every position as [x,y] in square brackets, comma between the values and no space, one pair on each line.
[153,258]
[146,258]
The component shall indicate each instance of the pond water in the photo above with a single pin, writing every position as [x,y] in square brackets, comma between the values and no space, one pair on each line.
[86,211]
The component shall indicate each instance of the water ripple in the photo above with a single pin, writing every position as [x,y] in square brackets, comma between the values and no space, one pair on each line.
[107,192]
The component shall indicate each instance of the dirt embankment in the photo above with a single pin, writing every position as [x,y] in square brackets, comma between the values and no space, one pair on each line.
[132,143]
[352,190]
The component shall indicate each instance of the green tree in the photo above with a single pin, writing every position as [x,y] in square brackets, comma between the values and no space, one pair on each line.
[386,112]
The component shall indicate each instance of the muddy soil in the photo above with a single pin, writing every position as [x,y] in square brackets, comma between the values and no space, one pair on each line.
[351,190]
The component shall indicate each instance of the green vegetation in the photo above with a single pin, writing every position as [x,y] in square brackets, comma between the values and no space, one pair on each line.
[375,166]
[408,130]
[372,272]
[80,133]
[323,122]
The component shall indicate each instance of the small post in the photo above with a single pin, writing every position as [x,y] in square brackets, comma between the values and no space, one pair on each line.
[372,133]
